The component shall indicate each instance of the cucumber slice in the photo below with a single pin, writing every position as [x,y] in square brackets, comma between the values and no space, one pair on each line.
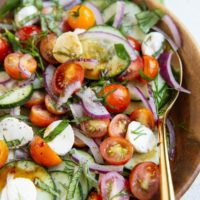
[107,29]
[29,170]
[62,181]
[101,4]
[84,186]
[16,97]
[85,155]
[105,48]
[132,106]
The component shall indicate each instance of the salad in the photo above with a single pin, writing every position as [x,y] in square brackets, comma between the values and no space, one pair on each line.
[82,86]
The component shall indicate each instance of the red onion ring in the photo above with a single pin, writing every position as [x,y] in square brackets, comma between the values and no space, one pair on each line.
[77,110]
[120,10]
[28,81]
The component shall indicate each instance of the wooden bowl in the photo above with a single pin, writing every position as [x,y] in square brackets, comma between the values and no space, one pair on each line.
[186,111]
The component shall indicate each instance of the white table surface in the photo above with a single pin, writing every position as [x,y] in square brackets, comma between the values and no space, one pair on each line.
[188,11]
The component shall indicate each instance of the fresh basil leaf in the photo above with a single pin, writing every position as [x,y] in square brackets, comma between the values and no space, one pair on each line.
[121,52]
[61,127]
[12,143]
[9,6]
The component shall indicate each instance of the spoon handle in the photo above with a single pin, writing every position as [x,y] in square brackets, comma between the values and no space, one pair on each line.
[166,187]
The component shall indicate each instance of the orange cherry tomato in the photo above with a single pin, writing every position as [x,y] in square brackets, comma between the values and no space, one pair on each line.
[3,153]
[118,126]
[134,43]
[66,74]
[145,180]
[79,143]
[81,16]
[151,68]
[14,61]
[116,150]
[94,196]
[4,48]
[144,116]
[39,116]
[42,154]
[51,106]
[36,99]
[117,97]
[46,48]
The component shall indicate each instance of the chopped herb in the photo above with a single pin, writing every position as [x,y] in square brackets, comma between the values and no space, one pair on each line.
[43,186]
[121,52]
[144,76]
[12,143]
[138,131]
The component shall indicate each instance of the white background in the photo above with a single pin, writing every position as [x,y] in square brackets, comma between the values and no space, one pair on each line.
[188,11]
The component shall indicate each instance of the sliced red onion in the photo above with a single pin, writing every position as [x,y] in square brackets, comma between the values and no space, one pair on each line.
[22,63]
[69,4]
[27,82]
[98,35]
[173,28]
[69,90]
[120,11]
[171,149]
[21,153]
[4,78]
[91,144]
[96,167]
[48,76]
[96,11]
[77,110]
[15,111]
[93,108]
[152,103]
[166,72]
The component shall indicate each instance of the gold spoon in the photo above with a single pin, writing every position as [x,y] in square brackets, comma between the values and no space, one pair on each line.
[166,188]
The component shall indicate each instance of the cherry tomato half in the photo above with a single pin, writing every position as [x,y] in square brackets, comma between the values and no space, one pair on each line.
[39,116]
[4,48]
[145,180]
[3,153]
[151,68]
[66,74]
[117,97]
[118,126]
[27,32]
[94,196]
[36,99]
[95,128]
[46,48]
[111,184]
[14,61]
[116,150]
[81,16]
[132,72]
[144,116]
[134,43]
[42,154]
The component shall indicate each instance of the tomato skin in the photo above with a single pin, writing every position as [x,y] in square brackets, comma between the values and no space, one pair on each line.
[36,99]
[39,116]
[118,126]
[42,154]
[66,74]
[3,153]
[66,27]
[81,16]
[46,48]
[94,196]
[151,67]
[95,128]
[79,143]
[27,32]
[134,43]
[109,149]
[132,72]
[117,97]
[4,48]
[145,180]
[144,116]
[12,62]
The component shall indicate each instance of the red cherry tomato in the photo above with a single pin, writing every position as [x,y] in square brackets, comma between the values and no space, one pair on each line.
[4,48]
[117,97]
[145,180]
[132,72]
[134,43]
[67,74]
[118,126]
[144,116]
[66,27]
[111,184]
[39,116]
[95,128]
[36,99]
[27,32]
[94,196]
[116,150]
